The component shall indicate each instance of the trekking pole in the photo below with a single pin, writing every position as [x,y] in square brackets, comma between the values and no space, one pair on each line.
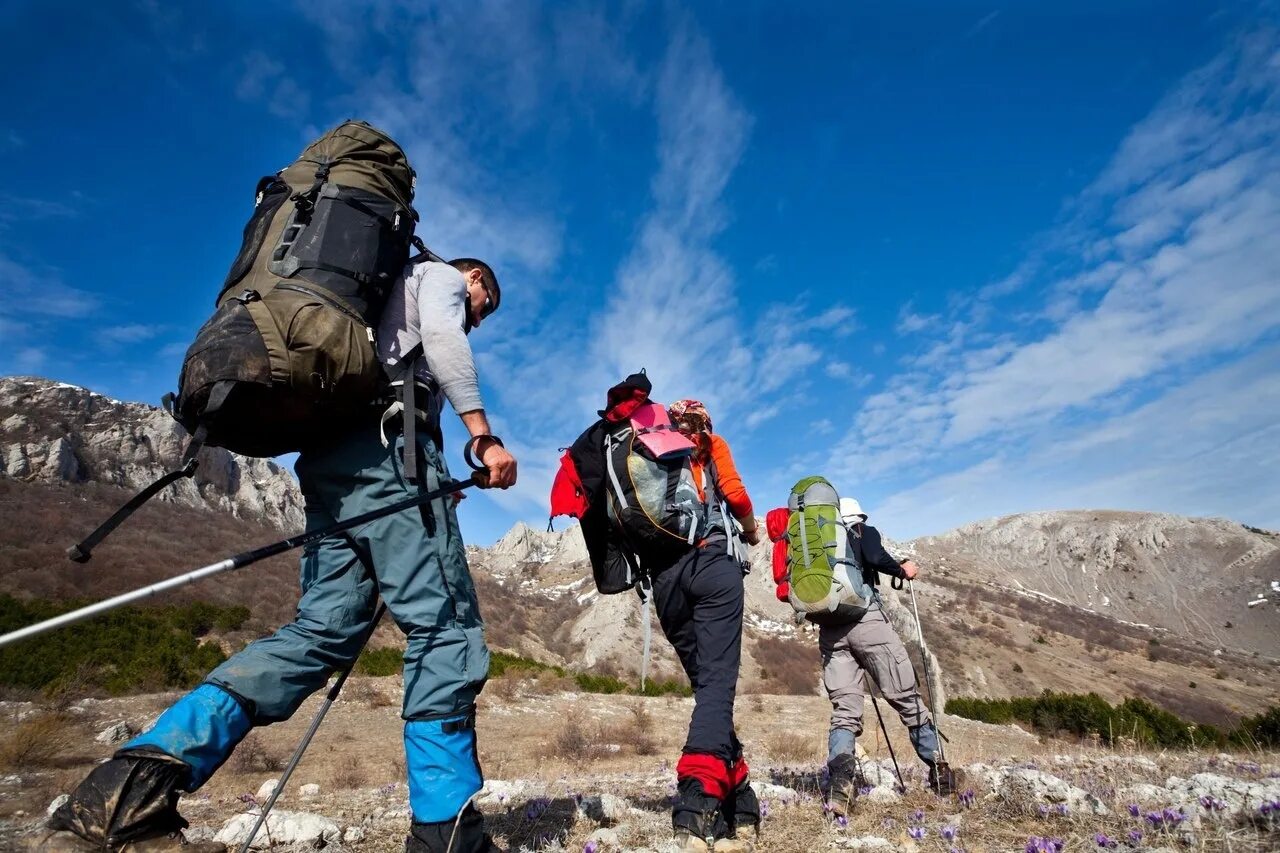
[239,561]
[928,671]
[329,699]
[875,703]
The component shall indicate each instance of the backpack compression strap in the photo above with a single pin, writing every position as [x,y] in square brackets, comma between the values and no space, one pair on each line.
[406,407]
[83,551]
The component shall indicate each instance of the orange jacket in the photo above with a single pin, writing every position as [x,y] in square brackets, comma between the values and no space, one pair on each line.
[728,480]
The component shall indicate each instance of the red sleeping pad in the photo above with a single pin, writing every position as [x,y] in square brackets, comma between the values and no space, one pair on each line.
[775,524]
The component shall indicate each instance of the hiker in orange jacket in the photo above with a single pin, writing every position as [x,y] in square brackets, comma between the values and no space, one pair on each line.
[699,599]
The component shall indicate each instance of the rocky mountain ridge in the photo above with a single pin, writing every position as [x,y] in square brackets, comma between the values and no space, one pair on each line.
[1178,610]
[52,432]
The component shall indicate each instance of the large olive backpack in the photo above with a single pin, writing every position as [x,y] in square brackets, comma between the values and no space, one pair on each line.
[289,353]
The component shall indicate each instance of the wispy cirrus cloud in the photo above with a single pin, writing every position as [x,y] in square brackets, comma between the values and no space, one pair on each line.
[1164,268]
[35,305]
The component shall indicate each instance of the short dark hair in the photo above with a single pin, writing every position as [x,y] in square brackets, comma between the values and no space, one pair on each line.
[466,265]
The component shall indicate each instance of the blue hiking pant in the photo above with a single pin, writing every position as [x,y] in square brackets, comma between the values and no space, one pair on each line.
[416,561]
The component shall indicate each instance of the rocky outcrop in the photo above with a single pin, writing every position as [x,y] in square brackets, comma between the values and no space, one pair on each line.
[53,432]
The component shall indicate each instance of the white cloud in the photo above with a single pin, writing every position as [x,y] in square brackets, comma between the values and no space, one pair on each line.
[1211,447]
[910,322]
[129,333]
[1180,269]
[264,79]
[30,359]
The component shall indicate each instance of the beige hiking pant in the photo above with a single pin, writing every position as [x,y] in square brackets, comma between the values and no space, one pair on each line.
[869,645]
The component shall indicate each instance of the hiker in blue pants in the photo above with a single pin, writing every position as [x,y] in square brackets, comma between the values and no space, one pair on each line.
[414,560]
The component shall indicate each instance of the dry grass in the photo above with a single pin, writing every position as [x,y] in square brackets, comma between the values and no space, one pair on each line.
[368,693]
[348,772]
[575,739]
[787,666]
[38,742]
[254,756]
[793,748]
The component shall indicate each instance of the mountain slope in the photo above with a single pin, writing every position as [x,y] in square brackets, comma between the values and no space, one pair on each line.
[1118,603]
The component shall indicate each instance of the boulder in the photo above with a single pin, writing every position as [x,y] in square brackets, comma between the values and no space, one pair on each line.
[1239,795]
[281,827]
[56,804]
[115,733]
[1034,785]
[604,808]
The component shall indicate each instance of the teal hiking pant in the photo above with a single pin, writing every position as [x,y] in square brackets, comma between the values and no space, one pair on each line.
[416,561]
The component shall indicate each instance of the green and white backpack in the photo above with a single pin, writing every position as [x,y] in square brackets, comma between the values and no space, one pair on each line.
[826,583]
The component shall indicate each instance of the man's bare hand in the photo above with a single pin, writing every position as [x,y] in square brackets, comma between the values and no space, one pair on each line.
[752,536]
[500,465]
[910,570]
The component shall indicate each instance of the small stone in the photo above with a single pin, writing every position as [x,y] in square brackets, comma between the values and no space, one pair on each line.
[353,835]
[607,839]
[118,732]
[309,791]
[881,795]
[770,791]
[604,808]
[267,789]
[56,804]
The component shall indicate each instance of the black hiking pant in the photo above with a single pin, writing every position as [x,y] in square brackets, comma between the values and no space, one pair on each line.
[699,602]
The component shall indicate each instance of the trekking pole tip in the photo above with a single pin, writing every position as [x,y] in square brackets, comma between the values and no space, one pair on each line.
[76,554]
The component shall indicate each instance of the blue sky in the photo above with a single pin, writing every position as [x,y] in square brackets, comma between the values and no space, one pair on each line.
[965,259]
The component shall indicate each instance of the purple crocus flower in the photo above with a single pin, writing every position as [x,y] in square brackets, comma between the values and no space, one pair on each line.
[917,832]
[591,847]
[967,797]
[917,816]
[950,833]
[1103,840]
[1061,809]
[842,821]
[1173,818]
[864,790]
[1135,810]
[1266,808]
[1134,836]
[764,808]
[1043,810]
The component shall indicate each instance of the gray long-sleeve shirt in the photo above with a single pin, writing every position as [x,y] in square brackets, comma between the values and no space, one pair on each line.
[429,305]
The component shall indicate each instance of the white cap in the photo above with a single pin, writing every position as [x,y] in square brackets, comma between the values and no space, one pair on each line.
[851,511]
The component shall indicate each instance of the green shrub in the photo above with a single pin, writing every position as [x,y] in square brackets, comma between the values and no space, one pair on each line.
[380,662]
[502,664]
[1260,731]
[129,650]
[1056,713]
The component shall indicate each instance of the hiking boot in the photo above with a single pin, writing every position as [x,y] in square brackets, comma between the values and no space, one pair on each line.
[740,840]
[741,813]
[464,835]
[696,818]
[130,803]
[943,781]
[65,841]
[846,779]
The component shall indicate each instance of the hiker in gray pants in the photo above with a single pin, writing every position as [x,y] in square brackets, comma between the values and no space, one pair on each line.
[870,645]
